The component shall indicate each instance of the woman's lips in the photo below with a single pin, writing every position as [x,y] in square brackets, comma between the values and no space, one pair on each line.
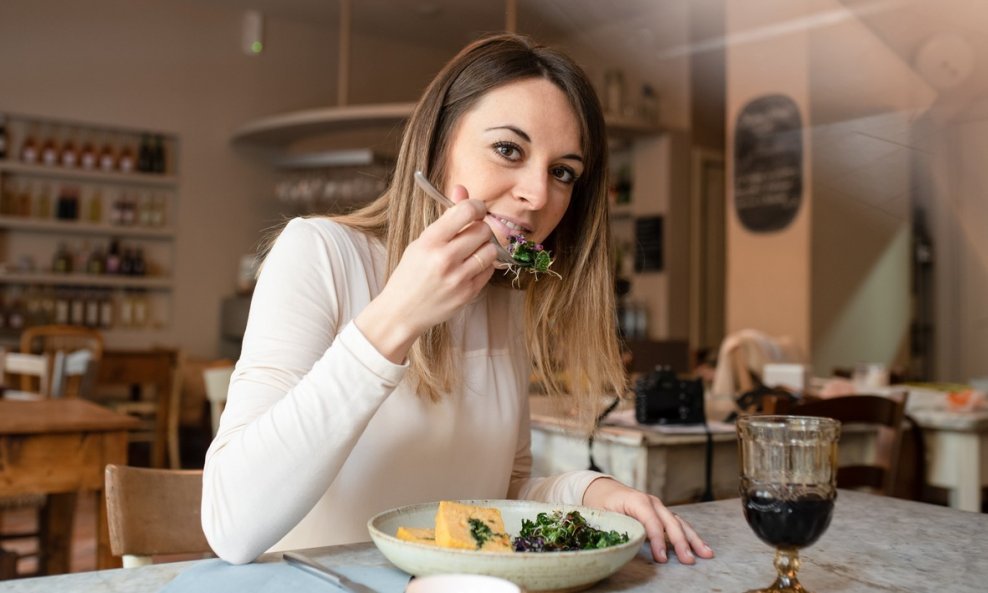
[504,228]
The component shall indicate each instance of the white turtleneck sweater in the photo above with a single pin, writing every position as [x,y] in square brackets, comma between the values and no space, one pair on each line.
[321,432]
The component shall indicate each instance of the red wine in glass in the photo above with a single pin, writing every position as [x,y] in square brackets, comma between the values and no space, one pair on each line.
[788,486]
[795,522]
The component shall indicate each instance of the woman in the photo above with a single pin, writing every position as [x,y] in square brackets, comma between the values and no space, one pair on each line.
[386,360]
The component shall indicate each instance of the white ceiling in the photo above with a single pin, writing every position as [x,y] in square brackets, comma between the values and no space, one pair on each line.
[450,24]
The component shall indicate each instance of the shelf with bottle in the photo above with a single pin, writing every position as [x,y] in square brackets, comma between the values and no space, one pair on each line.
[31,204]
[85,279]
[58,147]
[118,265]
[37,170]
[22,307]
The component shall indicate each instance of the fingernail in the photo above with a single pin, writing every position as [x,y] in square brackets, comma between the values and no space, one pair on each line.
[707,548]
[662,556]
[689,553]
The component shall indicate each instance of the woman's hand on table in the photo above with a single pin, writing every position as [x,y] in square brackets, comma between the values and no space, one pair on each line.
[661,524]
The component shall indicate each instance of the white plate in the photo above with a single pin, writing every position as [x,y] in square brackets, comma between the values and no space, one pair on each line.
[535,571]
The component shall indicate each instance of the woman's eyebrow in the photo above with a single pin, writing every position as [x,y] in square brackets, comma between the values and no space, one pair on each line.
[514,129]
[528,139]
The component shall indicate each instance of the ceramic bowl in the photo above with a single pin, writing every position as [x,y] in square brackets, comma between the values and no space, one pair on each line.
[534,571]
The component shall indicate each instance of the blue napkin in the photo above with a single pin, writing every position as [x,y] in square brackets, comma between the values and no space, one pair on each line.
[218,576]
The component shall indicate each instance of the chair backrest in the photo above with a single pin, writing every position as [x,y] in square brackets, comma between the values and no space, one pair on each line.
[67,340]
[217,381]
[34,368]
[156,369]
[154,512]
[885,412]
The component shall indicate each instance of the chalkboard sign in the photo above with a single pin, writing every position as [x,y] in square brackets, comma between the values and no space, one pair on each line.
[648,244]
[768,163]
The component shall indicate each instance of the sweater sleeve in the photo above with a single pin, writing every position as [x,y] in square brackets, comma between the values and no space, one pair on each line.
[305,387]
[565,488]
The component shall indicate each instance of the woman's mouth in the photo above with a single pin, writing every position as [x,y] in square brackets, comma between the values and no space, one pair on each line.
[504,228]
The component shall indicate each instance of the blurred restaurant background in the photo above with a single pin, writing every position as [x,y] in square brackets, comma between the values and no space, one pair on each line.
[806,172]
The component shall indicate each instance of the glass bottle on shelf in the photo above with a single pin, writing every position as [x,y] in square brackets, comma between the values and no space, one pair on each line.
[69,154]
[92,309]
[43,197]
[107,156]
[144,154]
[125,317]
[4,138]
[62,261]
[88,158]
[97,260]
[62,304]
[49,150]
[29,148]
[94,212]
[67,204]
[47,306]
[140,264]
[141,309]
[77,308]
[17,311]
[127,262]
[3,312]
[158,213]
[112,265]
[145,210]
[24,199]
[7,197]
[126,161]
[128,210]
[32,306]
[106,310]
[115,212]
[158,158]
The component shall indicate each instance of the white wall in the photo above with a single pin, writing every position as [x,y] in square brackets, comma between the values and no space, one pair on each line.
[177,66]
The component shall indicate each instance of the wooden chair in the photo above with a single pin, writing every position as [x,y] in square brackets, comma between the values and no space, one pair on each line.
[33,370]
[66,340]
[150,379]
[154,512]
[887,413]
[217,381]
[52,525]
[17,366]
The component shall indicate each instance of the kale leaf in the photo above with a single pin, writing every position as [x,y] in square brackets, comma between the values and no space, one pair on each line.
[558,532]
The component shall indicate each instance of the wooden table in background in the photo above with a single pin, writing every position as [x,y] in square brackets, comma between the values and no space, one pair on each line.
[60,447]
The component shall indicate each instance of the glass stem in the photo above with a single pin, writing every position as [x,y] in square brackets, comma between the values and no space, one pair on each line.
[787,564]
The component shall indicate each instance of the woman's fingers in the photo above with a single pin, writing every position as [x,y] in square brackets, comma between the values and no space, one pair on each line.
[662,527]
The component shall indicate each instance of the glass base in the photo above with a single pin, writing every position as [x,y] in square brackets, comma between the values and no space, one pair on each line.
[787,564]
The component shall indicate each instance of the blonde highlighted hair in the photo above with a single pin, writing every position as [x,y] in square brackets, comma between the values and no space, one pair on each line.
[570,322]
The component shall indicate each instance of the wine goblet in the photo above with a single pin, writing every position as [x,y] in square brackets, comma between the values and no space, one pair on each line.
[788,486]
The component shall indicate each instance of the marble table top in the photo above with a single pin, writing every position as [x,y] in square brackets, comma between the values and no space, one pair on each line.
[874,544]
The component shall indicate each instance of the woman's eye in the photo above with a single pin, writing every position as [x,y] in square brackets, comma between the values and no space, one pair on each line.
[564,174]
[508,150]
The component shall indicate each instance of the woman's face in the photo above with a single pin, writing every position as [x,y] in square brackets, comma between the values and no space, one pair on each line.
[518,150]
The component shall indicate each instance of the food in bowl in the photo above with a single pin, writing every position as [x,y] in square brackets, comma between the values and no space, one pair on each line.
[469,527]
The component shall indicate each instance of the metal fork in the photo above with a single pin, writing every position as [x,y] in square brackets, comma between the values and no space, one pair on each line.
[502,254]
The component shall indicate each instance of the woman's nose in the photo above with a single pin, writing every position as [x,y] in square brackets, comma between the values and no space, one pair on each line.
[533,188]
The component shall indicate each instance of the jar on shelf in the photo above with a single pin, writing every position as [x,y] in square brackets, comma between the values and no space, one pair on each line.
[614,91]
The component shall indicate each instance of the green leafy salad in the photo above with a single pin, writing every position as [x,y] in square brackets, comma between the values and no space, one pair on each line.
[530,256]
[558,532]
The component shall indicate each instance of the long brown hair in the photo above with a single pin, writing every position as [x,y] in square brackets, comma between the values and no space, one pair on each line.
[570,322]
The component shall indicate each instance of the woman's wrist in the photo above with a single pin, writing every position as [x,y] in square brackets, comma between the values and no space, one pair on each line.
[389,333]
